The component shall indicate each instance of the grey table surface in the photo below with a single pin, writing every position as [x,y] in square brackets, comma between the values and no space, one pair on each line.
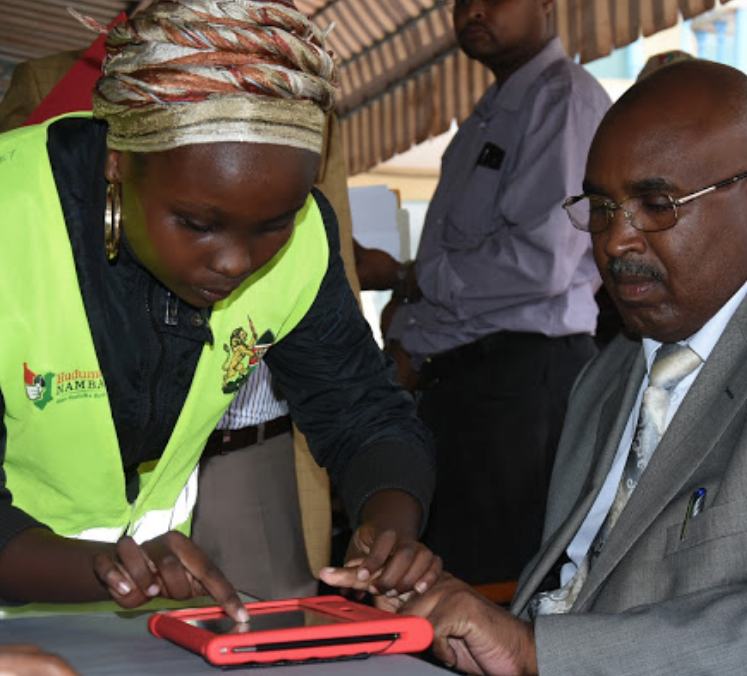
[119,644]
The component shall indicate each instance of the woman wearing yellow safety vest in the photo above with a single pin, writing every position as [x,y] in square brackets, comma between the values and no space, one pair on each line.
[152,256]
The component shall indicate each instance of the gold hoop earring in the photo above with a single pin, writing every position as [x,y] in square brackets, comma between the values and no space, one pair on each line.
[113,220]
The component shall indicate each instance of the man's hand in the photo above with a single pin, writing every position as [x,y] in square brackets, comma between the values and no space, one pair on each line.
[384,557]
[407,376]
[387,316]
[376,269]
[29,660]
[171,566]
[472,634]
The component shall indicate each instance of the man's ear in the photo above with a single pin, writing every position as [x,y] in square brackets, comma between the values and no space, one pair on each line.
[114,166]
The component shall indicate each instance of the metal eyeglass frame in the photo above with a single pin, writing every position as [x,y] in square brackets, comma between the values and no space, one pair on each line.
[611,206]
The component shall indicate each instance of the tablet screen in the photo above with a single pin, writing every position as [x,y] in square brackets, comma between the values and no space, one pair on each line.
[263,621]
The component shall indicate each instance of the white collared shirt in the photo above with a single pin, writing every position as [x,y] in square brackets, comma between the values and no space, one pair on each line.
[702,343]
[254,403]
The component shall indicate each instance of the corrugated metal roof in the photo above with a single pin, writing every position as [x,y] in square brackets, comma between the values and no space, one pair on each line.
[403,77]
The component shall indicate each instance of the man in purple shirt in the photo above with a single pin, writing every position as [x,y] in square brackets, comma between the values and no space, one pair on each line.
[494,319]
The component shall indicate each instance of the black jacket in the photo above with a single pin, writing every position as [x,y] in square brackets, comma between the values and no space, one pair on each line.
[341,388]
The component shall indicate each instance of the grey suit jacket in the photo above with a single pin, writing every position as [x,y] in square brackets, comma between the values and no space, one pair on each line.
[653,603]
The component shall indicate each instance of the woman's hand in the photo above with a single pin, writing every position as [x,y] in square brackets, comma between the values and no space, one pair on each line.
[171,566]
[21,659]
[384,557]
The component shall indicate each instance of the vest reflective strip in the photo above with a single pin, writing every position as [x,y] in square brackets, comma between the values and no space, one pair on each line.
[99,534]
[153,523]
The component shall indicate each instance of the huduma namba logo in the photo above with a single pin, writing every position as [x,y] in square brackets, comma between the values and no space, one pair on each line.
[42,389]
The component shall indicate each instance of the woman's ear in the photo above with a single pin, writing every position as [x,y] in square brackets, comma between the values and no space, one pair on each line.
[113,169]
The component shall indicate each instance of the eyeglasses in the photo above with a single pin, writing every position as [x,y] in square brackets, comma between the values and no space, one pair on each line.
[650,212]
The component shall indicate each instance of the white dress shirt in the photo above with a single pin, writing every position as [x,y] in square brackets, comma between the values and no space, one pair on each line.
[254,403]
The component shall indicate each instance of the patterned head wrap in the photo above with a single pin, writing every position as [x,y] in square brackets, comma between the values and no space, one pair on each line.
[202,71]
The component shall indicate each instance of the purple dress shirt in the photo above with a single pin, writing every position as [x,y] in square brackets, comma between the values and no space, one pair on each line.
[497,250]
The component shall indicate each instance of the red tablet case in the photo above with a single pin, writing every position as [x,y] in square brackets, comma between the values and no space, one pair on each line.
[354,630]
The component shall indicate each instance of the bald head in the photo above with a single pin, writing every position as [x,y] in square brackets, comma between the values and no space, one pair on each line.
[675,134]
[693,93]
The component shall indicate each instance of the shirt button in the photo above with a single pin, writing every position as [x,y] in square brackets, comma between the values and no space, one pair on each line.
[196,320]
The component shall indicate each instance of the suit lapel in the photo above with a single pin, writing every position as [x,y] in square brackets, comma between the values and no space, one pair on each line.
[623,382]
[715,397]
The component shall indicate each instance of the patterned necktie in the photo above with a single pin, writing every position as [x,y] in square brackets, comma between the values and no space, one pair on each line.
[673,363]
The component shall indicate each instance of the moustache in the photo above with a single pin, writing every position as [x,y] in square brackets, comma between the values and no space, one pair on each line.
[629,267]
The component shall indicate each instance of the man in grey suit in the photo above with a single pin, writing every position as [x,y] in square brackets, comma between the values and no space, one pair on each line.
[666,204]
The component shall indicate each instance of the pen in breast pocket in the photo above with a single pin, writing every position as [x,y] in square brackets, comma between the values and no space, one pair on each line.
[694,507]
